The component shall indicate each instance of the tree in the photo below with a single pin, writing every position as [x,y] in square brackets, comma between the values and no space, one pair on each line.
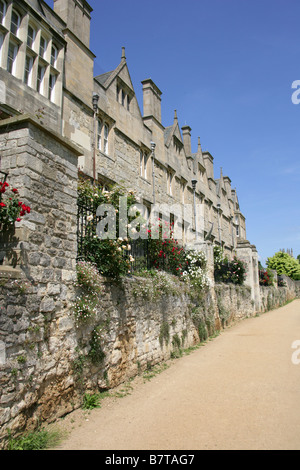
[283,263]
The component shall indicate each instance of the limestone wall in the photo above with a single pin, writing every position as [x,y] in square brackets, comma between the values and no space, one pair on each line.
[37,270]
[47,360]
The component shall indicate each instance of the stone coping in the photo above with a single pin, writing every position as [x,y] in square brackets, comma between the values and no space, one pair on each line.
[25,119]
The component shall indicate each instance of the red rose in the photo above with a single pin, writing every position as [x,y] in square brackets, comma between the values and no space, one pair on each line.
[14,190]
[18,219]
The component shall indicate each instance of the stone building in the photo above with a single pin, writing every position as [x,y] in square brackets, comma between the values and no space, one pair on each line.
[47,71]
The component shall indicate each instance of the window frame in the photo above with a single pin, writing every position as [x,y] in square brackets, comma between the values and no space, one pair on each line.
[28,72]
[12,69]
[3,13]
[99,134]
[51,88]
[14,28]
[1,44]
[169,182]
[30,41]
[53,59]
[105,137]
[40,81]
[144,158]
[44,48]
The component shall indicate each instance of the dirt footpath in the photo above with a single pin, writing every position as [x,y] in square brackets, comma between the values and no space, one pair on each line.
[239,391]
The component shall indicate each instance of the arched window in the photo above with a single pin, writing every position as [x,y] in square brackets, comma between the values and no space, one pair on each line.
[15,22]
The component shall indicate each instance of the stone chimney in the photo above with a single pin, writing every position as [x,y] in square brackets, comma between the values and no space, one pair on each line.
[77,16]
[186,136]
[151,100]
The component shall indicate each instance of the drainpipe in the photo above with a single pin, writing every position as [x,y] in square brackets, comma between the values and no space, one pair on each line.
[219,228]
[194,182]
[153,145]
[95,108]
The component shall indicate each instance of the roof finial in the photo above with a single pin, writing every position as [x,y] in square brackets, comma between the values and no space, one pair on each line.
[199,146]
[123,53]
[175,114]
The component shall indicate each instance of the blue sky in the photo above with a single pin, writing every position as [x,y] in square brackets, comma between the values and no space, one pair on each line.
[227,67]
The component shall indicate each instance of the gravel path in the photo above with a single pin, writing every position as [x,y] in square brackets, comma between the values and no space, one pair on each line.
[239,391]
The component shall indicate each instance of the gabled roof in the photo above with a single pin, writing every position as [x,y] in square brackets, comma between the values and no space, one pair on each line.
[171,131]
[106,79]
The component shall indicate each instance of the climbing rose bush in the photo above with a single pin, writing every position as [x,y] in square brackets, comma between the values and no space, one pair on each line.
[165,253]
[195,271]
[228,271]
[11,208]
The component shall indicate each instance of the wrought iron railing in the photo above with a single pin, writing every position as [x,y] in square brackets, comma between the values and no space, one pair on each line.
[142,251]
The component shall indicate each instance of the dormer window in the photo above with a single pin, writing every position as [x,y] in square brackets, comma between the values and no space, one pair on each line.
[2,11]
[15,22]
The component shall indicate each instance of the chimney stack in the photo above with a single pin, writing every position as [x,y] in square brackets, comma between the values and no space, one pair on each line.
[186,136]
[77,16]
[151,100]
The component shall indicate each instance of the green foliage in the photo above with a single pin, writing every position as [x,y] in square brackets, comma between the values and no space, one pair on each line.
[164,333]
[228,271]
[195,270]
[266,277]
[91,401]
[11,208]
[85,308]
[110,255]
[164,251]
[37,440]
[96,352]
[88,277]
[283,263]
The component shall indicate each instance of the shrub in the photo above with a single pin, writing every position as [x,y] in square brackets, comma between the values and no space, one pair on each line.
[266,278]
[283,263]
[164,251]
[195,270]
[11,208]
[110,255]
[228,271]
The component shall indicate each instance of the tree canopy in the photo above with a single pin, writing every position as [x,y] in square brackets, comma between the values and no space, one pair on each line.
[283,263]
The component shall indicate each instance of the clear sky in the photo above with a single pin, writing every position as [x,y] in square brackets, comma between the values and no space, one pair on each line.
[227,67]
